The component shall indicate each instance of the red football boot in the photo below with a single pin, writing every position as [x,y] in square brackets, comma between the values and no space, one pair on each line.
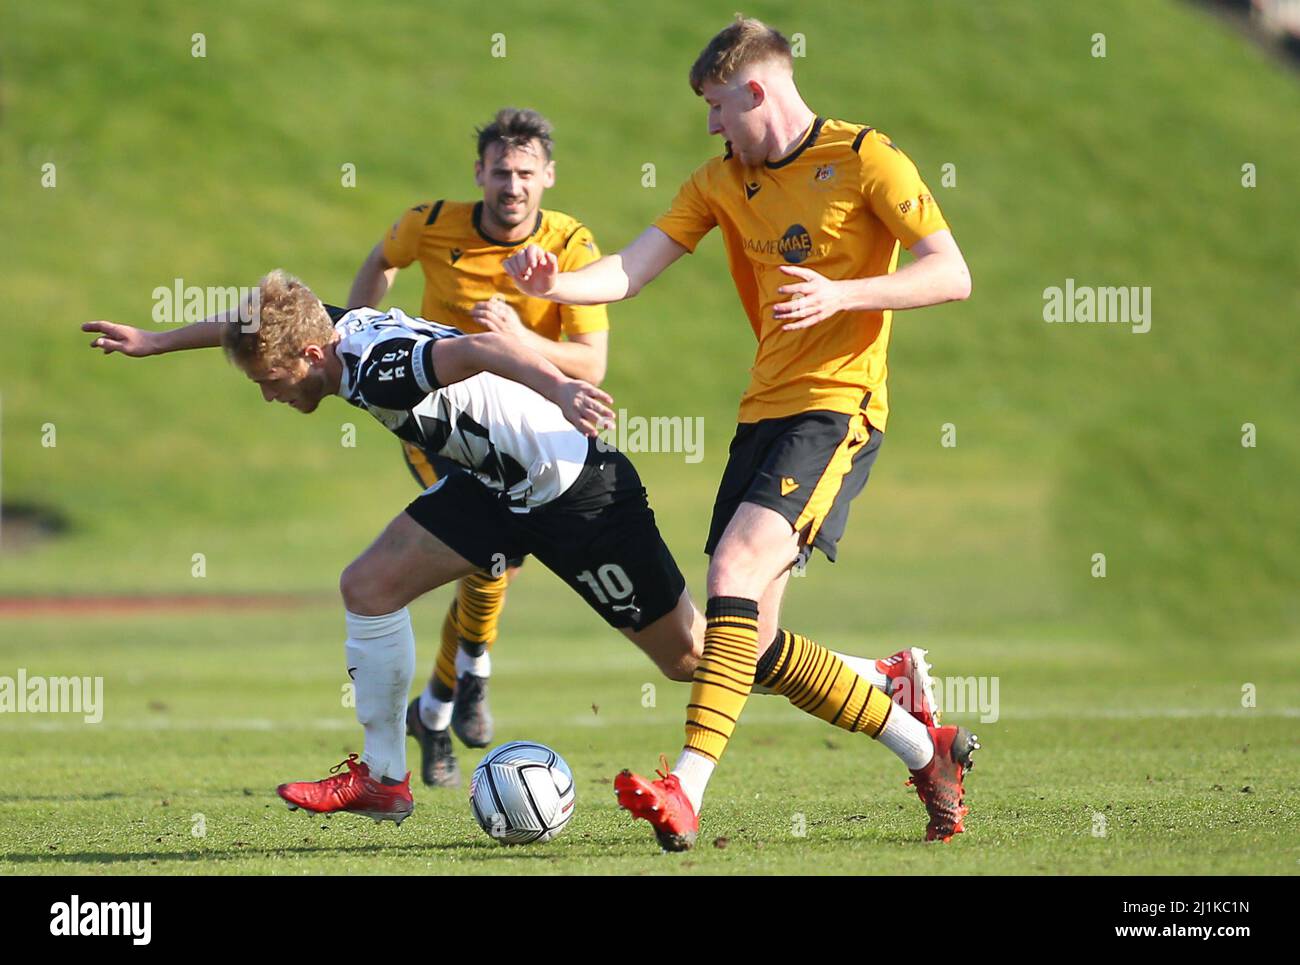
[663,803]
[355,791]
[939,783]
[910,685]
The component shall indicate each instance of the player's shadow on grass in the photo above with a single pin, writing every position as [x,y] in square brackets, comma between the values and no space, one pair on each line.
[108,857]
[467,850]
[64,798]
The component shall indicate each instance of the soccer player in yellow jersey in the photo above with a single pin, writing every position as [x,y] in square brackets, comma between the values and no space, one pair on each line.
[812,213]
[460,247]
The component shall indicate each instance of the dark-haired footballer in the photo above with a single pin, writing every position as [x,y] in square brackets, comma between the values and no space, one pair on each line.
[460,247]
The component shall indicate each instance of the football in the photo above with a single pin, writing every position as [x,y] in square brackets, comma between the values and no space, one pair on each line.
[522,793]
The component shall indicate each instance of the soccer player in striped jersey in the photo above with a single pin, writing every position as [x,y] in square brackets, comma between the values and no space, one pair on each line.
[812,212]
[460,247]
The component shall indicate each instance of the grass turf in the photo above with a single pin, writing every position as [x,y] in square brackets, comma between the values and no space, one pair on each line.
[1072,440]
[1185,780]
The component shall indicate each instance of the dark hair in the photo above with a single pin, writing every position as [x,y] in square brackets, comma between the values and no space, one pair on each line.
[745,41]
[515,127]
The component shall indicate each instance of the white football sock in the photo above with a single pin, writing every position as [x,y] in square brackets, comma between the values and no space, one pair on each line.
[908,738]
[865,667]
[480,666]
[381,660]
[694,771]
[435,714]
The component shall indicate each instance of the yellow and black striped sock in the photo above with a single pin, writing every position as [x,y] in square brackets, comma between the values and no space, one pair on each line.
[724,676]
[471,624]
[819,683]
[443,684]
[479,601]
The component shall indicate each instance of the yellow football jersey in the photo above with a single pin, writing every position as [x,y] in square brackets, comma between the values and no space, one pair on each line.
[839,203]
[462,266]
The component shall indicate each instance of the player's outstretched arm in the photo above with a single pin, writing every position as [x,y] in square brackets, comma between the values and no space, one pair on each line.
[610,279]
[374,278]
[939,274]
[456,359]
[138,342]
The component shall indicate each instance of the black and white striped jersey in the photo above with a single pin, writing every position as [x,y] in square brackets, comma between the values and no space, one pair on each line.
[515,441]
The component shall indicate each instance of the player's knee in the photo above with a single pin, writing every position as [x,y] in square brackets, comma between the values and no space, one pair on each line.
[680,670]
[680,662]
[731,575]
[362,592]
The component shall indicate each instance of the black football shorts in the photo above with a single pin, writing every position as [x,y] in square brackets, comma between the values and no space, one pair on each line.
[428,468]
[599,536]
[807,467]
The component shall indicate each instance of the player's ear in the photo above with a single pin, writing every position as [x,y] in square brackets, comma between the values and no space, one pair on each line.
[548,175]
[314,354]
[478,172]
[756,91]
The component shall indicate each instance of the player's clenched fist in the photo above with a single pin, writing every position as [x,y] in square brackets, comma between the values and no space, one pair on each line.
[586,406]
[121,338]
[533,270]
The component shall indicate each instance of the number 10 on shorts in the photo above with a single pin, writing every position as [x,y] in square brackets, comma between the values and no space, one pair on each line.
[612,584]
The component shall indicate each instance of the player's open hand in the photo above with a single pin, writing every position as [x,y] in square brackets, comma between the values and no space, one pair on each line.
[814,298]
[496,315]
[533,270]
[586,406]
[134,342]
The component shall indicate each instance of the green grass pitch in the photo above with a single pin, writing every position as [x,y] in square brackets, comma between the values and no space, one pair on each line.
[1146,720]
[1134,766]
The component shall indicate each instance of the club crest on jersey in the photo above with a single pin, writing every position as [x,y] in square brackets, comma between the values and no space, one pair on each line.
[824,172]
[455,255]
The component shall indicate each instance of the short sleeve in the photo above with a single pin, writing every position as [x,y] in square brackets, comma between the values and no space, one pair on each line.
[402,243]
[689,218]
[396,372]
[579,251]
[895,192]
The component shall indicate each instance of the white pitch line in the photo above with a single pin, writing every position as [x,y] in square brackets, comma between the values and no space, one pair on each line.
[658,717]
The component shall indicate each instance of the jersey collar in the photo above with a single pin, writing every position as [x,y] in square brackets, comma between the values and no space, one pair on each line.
[348,380]
[806,143]
[478,226]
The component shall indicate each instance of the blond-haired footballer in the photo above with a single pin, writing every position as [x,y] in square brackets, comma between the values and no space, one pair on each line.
[533,483]
[812,212]
[460,247]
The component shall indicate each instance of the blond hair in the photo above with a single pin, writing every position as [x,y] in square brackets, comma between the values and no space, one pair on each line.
[744,42]
[284,317]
